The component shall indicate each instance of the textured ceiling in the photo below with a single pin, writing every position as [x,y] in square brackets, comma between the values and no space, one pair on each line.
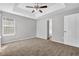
[20,9]
[28,11]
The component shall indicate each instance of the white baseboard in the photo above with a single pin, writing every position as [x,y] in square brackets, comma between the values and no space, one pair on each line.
[41,37]
[58,41]
[19,39]
[64,43]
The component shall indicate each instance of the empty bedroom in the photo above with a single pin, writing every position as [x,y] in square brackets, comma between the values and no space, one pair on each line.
[39,29]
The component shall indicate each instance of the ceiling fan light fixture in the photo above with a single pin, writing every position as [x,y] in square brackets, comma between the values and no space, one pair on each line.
[37,7]
[41,11]
[33,11]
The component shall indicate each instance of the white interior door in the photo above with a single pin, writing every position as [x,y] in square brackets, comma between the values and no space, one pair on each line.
[0,29]
[77,30]
[70,30]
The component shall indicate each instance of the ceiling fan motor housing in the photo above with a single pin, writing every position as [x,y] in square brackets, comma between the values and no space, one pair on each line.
[37,7]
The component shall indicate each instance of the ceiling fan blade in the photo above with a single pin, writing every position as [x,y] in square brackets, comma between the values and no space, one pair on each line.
[43,7]
[33,11]
[29,6]
[41,11]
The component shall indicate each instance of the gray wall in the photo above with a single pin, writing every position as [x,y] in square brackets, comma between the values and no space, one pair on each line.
[57,24]
[42,29]
[25,28]
[58,28]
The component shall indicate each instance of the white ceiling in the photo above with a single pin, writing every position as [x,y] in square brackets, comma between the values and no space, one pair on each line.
[20,9]
[28,11]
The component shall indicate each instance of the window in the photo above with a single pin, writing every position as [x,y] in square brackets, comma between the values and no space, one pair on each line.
[8,26]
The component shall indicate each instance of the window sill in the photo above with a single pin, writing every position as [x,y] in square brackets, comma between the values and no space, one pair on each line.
[8,34]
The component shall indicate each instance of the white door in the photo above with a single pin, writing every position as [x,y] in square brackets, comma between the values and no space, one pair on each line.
[70,30]
[77,30]
[0,30]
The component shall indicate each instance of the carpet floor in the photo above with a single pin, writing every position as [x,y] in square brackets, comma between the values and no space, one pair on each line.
[38,47]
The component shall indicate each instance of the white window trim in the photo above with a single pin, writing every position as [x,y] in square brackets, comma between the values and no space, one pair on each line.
[7,26]
[9,34]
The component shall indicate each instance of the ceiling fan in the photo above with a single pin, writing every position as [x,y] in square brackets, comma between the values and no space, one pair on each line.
[37,7]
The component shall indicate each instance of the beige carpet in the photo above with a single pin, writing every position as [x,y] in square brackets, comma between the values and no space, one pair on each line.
[38,47]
